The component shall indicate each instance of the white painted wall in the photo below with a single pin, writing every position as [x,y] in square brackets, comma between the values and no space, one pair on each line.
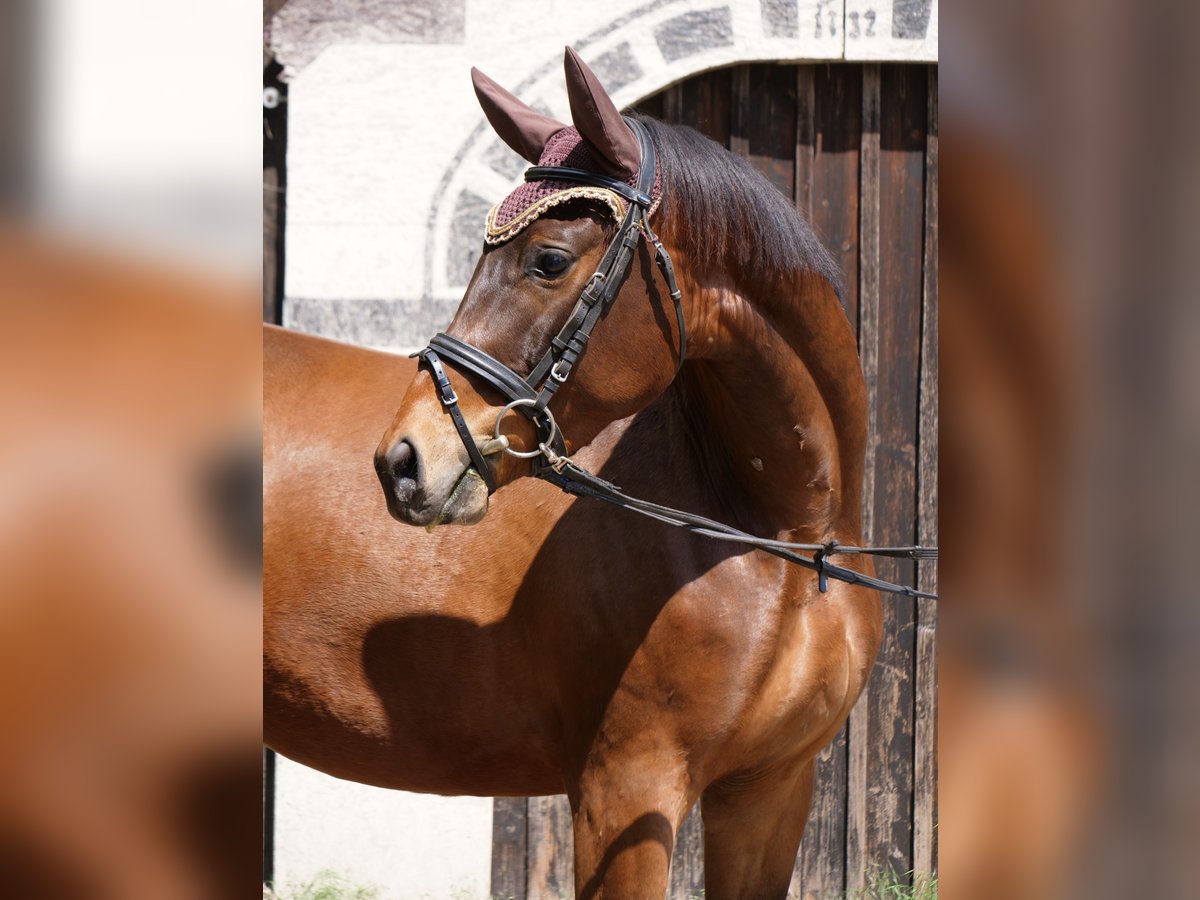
[408,846]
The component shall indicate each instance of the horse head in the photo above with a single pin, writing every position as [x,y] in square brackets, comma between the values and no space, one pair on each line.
[572,248]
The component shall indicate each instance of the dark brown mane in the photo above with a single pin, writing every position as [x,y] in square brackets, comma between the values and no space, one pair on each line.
[725,215]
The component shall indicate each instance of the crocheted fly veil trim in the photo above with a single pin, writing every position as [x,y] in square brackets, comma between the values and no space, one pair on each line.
[532,198]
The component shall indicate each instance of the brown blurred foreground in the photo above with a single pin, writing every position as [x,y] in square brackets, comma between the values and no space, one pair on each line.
[1068,723]
[130,566]
[1021,739]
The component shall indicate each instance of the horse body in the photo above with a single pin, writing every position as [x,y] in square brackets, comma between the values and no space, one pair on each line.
[523,629]
[561,645]
[337,575]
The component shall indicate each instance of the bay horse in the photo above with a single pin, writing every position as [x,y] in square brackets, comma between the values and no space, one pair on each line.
[560,645]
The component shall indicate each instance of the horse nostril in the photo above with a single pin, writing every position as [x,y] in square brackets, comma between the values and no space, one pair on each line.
[402,463]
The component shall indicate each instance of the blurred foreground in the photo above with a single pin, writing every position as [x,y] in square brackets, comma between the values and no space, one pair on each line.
[1069,280]
[129,552]
[130,481]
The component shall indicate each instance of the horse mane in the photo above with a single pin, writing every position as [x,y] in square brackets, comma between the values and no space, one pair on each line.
[739,221]
[727,218]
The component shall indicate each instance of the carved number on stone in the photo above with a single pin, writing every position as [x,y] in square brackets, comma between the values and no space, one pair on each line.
[853,32]
[832,15]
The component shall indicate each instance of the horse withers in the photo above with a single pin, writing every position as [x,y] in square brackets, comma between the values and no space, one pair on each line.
[560,645]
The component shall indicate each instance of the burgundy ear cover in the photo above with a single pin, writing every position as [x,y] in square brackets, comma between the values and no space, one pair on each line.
[520,126]
[599,121]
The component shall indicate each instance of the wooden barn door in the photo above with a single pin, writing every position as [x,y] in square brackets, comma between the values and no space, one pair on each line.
[855,148]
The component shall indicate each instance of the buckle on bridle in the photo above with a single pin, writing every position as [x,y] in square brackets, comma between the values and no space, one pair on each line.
[558,376]
[593,287]
[553,460]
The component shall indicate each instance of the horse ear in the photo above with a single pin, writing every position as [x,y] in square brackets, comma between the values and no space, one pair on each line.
[598,120]
[520,126]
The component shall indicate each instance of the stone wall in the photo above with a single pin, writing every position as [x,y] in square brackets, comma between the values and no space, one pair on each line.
[391,167]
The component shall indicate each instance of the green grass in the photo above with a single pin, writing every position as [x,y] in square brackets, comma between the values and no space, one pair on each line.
[887,885]
[881,885]
[326,885]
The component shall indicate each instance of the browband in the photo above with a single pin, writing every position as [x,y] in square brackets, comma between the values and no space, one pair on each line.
[566,173]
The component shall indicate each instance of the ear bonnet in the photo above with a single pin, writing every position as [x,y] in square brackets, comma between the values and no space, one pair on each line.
[598,142]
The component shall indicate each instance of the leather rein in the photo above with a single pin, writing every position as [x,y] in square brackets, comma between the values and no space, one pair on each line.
[531,396]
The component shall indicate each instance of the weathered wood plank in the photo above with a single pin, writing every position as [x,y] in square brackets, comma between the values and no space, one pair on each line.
[739,118]
[925,755]
[509,848]
[651,106]
[672,104]
[687,860]
[550,874]
[825,131]
[770,123]
[805,139]
[837,146]
[268,809]
[820,867]
[889,698]
[705,104]
[274,195]
[857,844]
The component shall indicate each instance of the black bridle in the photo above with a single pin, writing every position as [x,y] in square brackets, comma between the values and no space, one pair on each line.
[531,395]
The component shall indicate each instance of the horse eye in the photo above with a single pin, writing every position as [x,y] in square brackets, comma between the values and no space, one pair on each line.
[551,263]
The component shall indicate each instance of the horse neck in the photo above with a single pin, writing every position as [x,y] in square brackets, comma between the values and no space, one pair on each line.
[775,401]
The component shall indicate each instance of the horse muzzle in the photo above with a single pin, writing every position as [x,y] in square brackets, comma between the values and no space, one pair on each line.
[421,489]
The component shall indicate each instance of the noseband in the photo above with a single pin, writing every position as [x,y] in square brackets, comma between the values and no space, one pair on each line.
[531,395]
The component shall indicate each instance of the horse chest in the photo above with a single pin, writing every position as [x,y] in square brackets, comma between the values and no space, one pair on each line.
[809,671]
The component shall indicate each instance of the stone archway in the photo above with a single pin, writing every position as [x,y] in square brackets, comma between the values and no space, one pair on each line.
[391,168]
[635,55]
